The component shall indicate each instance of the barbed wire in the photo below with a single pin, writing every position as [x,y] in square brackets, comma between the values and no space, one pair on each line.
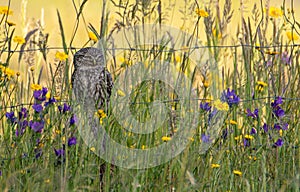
[170,50]
[164,101]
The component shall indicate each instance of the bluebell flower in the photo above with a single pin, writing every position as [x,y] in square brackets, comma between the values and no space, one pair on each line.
[36,126]
[283,126]
[278,101]
[64,108]
[253,114]
[230,97]
[59,152]
[73,120]
[23,113]
[278,112]
[11,116]
[72,141]
[266,127]
[21,127]
[205,138]
[40,95]
[246,142]
[253,131]
[37,107]
[278,143]
[50,101]
[205,106]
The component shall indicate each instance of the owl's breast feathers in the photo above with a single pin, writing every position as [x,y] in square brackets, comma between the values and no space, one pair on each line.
[92,86]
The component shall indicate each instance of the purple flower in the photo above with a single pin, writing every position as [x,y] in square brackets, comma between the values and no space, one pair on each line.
[246,142]
[205,138]
[211,115]
[266,127]
[278,112]
[230,97]
[278,101]
[0,173]
[50,101]
[278,143]
[253,131]
[205,106]
[72,141]
[285,58]
[59,152]
[36,126]
[283,126]
[64,108]
[73,120]
[23,113]
[254,114]
[38,152]
[21,127]
[37,107]
[40,95]
[11,116]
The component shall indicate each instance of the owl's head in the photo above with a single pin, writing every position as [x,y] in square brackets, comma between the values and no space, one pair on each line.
[88,57]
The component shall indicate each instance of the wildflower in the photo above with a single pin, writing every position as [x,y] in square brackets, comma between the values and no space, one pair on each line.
[246,142]
[275,12]
[23,113]
[40,95]
[93,149]
[9,23]
[0,173]
[230,97]
[73,120]
[59,152]
[35,87]
[72,141]
[278,143]
[92,36]
[36,126]
[205,106]
[50,101]
[237,172]
[269,52]
[215,165]
[250,137]
[21,127]
[165,138]
[37,107]
[278,112]
[254,115]
[11,116]
[5,10]
[101,114]
[282,126]
[292,35]
[202,13]
[61,56]
[64,108]
[260,86]
[266,127]
[121,93]
[18,39]
[217,34]
[7,71]
[232,122]
[285,58]
[221,106]
[277,102]
[205,138]
[253,131]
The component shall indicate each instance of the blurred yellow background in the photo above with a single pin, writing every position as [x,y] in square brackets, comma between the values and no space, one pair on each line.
[46,11]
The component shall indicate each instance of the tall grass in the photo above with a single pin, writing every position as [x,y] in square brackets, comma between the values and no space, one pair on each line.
[251,152]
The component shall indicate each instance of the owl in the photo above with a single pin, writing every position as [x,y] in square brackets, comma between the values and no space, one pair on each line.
[91,82]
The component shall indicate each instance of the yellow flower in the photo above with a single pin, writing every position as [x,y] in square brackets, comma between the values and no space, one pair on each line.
[237,172]
[280,132]
[7,71]
[215,165]
[221,106]
[238,137]
[93,149]
[292,36]
[101,114]
[201,13]
[18,39]
[36,87]
[120,93]
[260,86]
[275,12]
[62,56]
[47,180]
[9,23]
[48,95]
[32,68]
[92,36]
[165,138]
[232,122]
[5,10]
[271,52]
[143,147]
[217,34]
[250,137]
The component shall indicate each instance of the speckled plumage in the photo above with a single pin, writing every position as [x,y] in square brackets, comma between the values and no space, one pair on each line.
[91,82]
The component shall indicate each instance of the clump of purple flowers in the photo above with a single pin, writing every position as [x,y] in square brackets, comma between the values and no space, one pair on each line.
[230,97]
[277,110]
